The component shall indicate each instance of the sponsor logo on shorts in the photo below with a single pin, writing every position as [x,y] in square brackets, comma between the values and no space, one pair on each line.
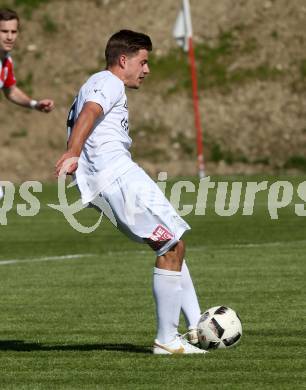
[161,234]
[159,238]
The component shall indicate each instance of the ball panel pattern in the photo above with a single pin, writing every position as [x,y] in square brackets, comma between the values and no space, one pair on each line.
[219,327]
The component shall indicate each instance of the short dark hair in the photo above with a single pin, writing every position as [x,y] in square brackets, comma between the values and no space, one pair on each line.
[8,14]
[125,42]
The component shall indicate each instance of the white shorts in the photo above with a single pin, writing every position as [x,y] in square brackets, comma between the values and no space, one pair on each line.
[137,206]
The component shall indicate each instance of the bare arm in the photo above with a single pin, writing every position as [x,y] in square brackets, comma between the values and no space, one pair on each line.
[81,131]
[17,96]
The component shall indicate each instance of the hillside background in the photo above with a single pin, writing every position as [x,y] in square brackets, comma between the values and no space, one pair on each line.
[251,59]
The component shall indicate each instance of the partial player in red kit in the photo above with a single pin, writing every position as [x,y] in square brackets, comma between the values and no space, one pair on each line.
[9,27]
[7,78]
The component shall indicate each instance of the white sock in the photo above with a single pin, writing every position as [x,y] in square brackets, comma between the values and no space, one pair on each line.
[1,192]
[167,292]
[190,304]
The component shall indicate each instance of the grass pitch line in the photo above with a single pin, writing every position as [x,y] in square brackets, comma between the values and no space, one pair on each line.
[201,248]
[145,253]
[47,258]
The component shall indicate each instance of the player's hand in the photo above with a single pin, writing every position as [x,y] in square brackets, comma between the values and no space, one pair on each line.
[45,105]
[67,164]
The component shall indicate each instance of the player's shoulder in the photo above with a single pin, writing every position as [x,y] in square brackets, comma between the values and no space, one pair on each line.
[107,79]
[9,59]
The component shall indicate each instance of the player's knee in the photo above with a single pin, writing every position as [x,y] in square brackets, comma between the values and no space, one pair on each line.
[173,258]
[178,252]
[180,248]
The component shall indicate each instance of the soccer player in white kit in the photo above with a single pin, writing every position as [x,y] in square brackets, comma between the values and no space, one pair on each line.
[98,155]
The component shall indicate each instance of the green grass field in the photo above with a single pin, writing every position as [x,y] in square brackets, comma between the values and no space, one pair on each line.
[88,322]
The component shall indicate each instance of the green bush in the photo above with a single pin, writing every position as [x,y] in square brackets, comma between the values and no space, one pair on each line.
[28,6]
[30,3]
[298,162]
[213,66]
[48,25]
[217,154]
[303,69]
[20,133]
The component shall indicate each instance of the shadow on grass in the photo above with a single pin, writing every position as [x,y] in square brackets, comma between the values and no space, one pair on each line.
[21,345]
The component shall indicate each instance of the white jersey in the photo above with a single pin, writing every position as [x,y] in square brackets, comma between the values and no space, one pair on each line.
[105,155]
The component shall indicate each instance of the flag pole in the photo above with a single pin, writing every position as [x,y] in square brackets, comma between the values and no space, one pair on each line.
[195,95]
[197,117]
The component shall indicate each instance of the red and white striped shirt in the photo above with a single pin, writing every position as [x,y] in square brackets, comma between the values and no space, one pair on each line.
[7,78]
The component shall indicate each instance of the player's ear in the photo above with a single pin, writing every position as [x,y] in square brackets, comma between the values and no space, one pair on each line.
[122,60]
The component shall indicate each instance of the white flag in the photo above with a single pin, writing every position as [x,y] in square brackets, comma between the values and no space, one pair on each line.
[182,30]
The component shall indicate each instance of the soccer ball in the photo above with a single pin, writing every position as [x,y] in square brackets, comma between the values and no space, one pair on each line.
[219,327]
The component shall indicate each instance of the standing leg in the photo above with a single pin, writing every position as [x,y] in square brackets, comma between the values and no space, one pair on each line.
[167,292]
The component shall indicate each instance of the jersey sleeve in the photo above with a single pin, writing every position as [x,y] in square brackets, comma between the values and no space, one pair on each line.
[106,94]
[10,79]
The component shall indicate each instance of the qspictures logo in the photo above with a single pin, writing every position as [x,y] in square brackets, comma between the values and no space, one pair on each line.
[224,198]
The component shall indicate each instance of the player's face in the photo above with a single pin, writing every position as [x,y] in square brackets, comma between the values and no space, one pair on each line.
[8,34]
[136,69]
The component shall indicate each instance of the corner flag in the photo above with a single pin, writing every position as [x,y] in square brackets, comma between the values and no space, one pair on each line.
[182,32]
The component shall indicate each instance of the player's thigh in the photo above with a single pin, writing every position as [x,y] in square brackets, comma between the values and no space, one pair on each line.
[143,212]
